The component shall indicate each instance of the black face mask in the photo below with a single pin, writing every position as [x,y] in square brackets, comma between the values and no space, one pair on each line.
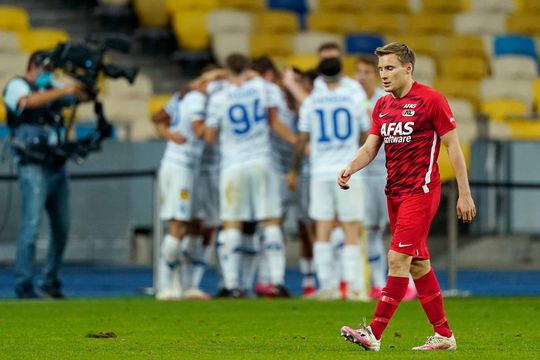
[330,69]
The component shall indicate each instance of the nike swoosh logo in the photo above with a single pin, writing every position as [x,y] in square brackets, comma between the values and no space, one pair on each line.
[383,115]
[403,245]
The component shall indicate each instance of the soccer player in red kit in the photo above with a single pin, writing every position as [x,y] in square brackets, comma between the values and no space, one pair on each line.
[411,120]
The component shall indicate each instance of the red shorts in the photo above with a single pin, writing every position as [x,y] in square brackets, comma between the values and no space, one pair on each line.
[410,220]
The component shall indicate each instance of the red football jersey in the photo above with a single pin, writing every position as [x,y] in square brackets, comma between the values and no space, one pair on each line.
[411,128]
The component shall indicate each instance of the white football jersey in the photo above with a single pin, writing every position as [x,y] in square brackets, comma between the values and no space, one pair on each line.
[345,82]
[334,119]
[378,166]
[183,112]
[241,114]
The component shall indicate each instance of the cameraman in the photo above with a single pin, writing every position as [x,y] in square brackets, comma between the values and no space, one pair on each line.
[34,104]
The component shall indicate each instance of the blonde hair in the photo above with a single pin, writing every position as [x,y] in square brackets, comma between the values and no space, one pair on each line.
[404,53]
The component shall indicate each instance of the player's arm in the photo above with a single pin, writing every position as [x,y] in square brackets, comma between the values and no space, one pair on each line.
[299,151]
[279,128]
[466,210]
[163,132]
[296,89]
[361,159]
[213,116]
[41,98]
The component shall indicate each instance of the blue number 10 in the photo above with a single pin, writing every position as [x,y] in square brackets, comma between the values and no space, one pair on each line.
[339,132]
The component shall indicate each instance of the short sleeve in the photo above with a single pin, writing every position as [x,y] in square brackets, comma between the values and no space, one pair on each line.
[441,115]
[304,121]
[197,103]
[375,123]
[213,114]
[15,90]
[171,105]
[274,95]
[361,114]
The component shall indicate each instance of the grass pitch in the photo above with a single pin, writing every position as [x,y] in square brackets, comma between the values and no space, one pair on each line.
[486,328]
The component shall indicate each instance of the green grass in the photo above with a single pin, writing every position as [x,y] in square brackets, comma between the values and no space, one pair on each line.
[486,328]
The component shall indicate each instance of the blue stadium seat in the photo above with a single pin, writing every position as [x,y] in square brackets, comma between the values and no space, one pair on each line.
[300,7]
[362,43]
[4,131]
[515,45]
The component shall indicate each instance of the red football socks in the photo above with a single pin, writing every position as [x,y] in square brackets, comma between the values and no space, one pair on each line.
[391,296]
[429,294]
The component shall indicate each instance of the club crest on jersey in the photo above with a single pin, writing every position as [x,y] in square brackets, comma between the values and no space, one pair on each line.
[408,112]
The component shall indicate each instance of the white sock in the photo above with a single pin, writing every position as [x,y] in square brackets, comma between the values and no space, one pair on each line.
[230,253]
[170,249]
[377,257]
[307,271]
[199,260]
[186,265]
[250,259]
[353,269]
[337,239]
[169,262]
[323,259]
[274,247]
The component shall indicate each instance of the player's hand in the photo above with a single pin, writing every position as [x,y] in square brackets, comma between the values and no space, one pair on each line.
[343,178]
[176,137]
[292,180]
[466,210]
[287,77]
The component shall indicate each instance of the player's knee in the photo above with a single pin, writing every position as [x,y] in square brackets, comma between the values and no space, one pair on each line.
[398,264]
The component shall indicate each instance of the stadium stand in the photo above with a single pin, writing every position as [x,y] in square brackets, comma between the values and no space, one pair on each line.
[309,41]
[362,43]
[474,23]
[350,6]
[430,24]
[37,39]
[514,67]
[174,6]
[13,18]
[191,30]
[276,21]
[151,14]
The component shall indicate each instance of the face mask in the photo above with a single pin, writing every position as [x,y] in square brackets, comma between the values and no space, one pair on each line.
[44,79]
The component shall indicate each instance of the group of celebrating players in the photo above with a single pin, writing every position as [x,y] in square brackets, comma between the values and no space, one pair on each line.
[245,145]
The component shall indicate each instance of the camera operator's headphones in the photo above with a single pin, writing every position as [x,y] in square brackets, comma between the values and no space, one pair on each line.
[42,59]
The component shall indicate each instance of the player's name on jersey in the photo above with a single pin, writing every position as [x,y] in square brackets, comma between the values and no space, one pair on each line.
[332,99]
[243,92]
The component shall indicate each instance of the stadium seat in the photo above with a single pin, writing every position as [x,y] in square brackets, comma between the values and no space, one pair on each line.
[276,22]
[523,24]
[13,18]
[536,94]
[443,6]
[174,6]
[387,6]
[271,44]
[348,65]
[430,24]
[461,89]
[462,45]
[3,112]
[308,42]
[504,108]
[303,62]
[114,2]
[492,6]
[521,90]
[227,20]
[424,69]
[225,44]
[157,102]
[339,6]
[246,5]
[528,6]
[463,111]
[40,39]
[151,14]
[120,88]
[339,23]
[298,6]
[421,44]
[381,23]
[515,45]
[9,42]
[514,67]
[445,168]
[464,67]
[524,129]
[480,23]
[190,30]
[362,43]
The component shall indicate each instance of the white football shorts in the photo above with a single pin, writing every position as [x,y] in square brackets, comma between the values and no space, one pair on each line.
[329,202]
[376,209]
[178,200]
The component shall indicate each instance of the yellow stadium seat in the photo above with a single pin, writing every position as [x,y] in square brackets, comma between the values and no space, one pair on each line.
[190,30]
[348,65]
[340,5]
[460,89]
[421,44]
[277,21]
[13,18]
[536,94]
[3,112]
[381,23]
[271,44]
[247,5]
[523,24]
[339,23]
[462,45]
[387,6]
[444,6]
[151,13]
[308,42]
[41,39]
[464,67]
[445,168]
[303,62]
[502,109]
[174,6]
[431,24]
[527,6]
[157,102]
[524,129]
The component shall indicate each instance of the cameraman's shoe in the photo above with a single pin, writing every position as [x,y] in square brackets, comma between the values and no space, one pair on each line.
[52,290]
[26,292]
